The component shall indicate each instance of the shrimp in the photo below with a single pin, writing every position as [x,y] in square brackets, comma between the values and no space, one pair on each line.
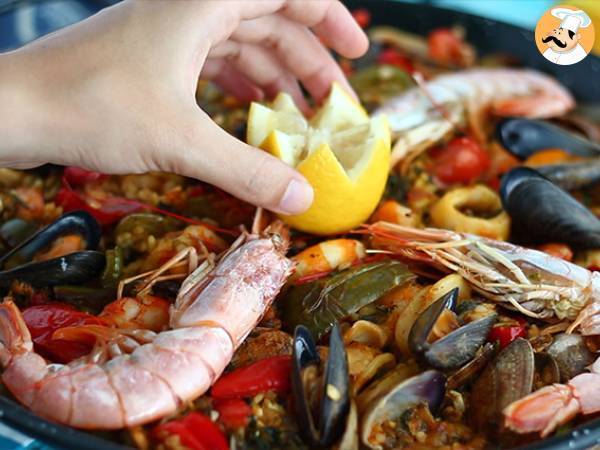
[552,406]
[216,308]
[534,283]
[423,116]
[327,256]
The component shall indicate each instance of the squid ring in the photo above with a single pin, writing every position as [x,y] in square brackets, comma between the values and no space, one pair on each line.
[449,212]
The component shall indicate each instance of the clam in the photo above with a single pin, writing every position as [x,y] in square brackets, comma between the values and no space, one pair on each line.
[506,379]
[546,371]
[470,370]
[542,212]
[455,348]
[74,268]
[428,387]
[524,137]
[333,399]
[571,355]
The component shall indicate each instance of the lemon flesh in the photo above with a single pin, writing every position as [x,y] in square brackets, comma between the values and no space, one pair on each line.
[344,155]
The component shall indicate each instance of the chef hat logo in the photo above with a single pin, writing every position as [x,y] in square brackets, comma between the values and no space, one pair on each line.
[564,35]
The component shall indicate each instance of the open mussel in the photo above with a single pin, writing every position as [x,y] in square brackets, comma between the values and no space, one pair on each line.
[524,137]
[455,348]
[332,394]
[426,388]
[542,212]
[73,268]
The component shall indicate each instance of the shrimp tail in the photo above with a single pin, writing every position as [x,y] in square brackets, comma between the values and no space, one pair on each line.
[14,335]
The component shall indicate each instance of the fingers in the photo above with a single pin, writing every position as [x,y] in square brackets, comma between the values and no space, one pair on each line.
[226,76]
[298,49]
[261,67]
[204,151]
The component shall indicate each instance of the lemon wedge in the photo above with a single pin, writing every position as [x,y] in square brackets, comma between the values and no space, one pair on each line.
[344,155]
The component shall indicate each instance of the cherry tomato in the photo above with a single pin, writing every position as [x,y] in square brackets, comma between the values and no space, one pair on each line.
[233,412]
[393,57]
[195,431]
[445,47]
[43,320]
[557,249]
[506,333]
[362,17]
[461,161]
[269,374]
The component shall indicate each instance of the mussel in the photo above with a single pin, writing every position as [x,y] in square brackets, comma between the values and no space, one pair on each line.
[73,268]
[428,387]
[524,137]
[333,398]
[15,231]
[571,176]
[541,212]
[455,348]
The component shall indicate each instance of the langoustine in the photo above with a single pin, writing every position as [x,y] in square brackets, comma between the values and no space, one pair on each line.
[424,115]
[215,310]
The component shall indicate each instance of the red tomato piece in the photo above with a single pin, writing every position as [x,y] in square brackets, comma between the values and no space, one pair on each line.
[461,161]
[393,57]
[505,334]
[195,431]
[43,320]
[444,46]
[269,374]
[233,412]
[362,17]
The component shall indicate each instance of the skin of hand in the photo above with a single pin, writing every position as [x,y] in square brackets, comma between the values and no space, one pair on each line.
[116,92]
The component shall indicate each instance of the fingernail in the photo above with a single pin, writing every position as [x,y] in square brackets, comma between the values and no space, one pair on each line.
[296,199]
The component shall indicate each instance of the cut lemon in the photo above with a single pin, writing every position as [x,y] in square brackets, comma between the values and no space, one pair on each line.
[344,155]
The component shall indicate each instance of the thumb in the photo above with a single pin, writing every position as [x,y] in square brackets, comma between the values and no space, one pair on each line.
[210,154]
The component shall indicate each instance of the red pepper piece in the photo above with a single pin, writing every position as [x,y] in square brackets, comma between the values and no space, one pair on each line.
[505,334]
[43,320]
[77,176]
[233,412]
[269,374]
[195,431]
[446,47]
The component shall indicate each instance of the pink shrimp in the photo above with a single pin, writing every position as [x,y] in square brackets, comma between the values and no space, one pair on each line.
[215,310]
[416,116]
[552,406]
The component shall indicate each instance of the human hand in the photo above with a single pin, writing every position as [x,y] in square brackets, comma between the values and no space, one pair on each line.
[116,93]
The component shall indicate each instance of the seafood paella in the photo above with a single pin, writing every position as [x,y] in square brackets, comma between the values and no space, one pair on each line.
[442,292]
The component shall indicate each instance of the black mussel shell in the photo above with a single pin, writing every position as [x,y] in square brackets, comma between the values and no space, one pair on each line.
[76,222]
[15,231]
[524,137]
[74,268]
[541,212]
[417,338]
[335,400]
[460,346]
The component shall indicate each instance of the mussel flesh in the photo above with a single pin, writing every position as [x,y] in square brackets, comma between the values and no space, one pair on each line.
[455,348]
[524,137]
[428,387]
[334,398]
[74,268]
[542,212]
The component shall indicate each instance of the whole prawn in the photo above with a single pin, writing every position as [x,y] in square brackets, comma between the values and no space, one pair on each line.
[216,308]
[424,115]
[532,282]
